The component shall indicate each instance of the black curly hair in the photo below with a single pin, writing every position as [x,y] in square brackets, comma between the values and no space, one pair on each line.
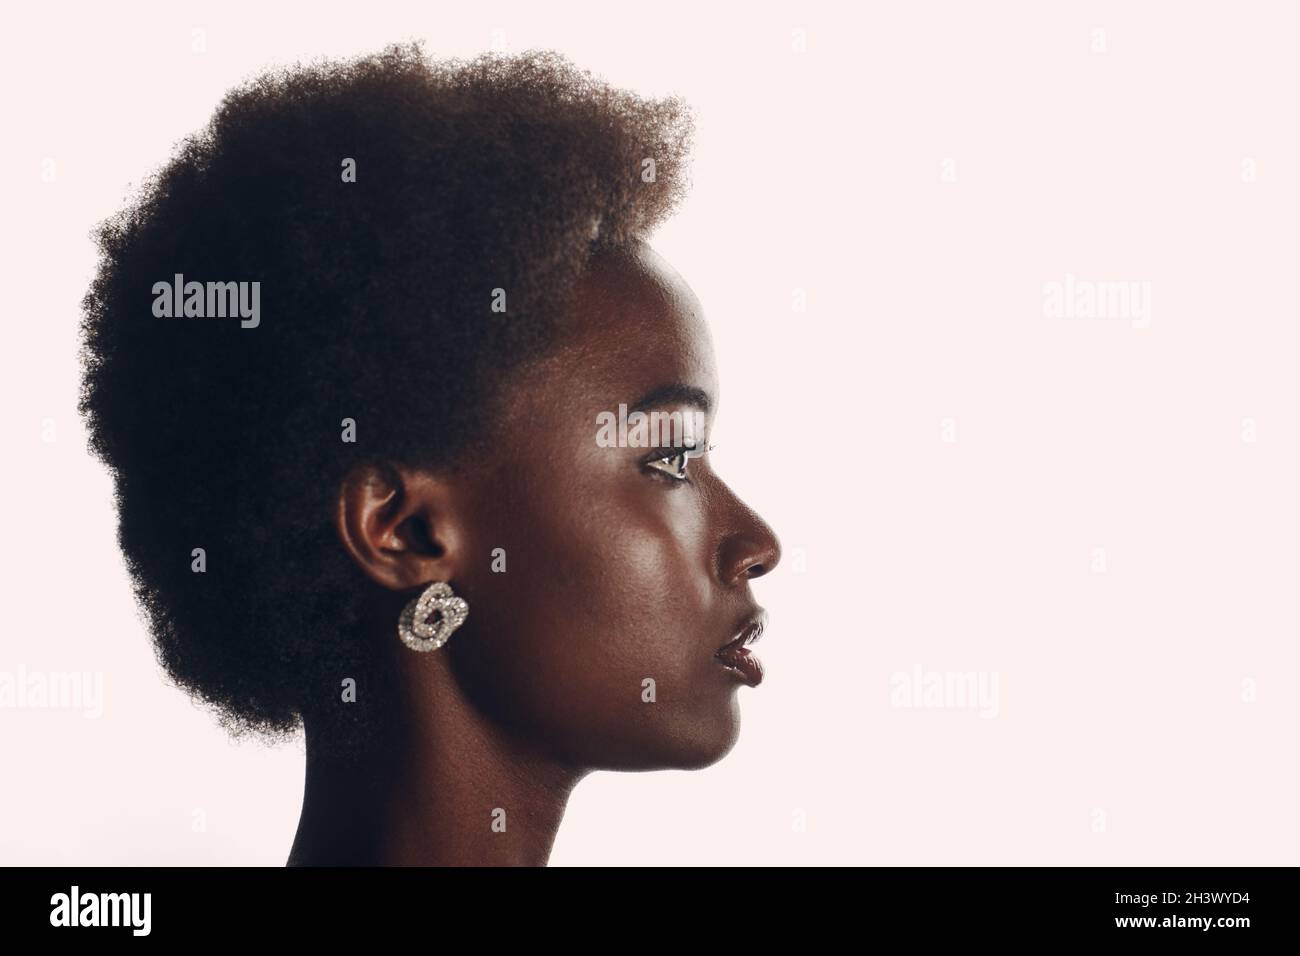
[493,173]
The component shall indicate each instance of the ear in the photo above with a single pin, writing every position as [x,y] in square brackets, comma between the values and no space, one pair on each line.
[400,525]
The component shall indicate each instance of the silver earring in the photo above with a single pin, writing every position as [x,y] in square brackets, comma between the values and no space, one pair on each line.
[413,626]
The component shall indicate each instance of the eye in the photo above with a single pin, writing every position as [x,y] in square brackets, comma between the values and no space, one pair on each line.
[674,464]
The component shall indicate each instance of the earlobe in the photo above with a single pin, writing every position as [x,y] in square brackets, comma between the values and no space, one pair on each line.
[397,524]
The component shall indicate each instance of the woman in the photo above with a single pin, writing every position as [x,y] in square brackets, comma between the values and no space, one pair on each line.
[348,356]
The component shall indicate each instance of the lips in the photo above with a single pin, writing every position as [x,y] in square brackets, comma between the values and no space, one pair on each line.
[735,655]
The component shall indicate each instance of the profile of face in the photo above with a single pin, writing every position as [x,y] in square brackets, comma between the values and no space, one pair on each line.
[287,486]
[601,581]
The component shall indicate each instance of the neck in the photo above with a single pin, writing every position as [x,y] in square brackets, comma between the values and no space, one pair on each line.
[454,790]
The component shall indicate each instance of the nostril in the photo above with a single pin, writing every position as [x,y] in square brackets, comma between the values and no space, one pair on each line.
[747,554]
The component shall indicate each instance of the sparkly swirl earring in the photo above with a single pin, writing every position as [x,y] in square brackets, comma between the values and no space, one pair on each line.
[414,627]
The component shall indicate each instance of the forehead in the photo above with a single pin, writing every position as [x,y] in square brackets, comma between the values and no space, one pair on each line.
[639,324]
[634,326]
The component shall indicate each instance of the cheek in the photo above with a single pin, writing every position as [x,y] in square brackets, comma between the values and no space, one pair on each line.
[600,593]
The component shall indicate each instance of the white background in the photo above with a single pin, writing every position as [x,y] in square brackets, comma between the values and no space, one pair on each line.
[1124,733]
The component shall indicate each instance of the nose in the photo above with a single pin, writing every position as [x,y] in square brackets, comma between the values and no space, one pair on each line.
[750,551]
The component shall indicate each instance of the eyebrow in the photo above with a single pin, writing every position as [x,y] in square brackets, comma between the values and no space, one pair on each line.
[673,394]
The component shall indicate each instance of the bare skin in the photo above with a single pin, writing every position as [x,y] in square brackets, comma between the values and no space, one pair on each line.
[617,574]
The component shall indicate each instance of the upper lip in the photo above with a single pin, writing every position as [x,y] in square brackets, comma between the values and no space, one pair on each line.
[750,630]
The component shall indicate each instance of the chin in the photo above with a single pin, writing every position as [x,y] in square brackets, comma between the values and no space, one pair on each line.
[692,739]
[706,741]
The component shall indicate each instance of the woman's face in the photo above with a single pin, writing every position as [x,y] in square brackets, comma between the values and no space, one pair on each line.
[616,574]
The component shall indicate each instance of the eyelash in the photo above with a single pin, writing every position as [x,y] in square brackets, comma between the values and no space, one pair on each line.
[687,454]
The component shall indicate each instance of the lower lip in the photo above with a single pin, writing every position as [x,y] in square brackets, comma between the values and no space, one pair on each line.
[741,664]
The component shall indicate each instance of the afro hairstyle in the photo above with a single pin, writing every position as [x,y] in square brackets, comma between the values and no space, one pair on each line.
[500,172]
